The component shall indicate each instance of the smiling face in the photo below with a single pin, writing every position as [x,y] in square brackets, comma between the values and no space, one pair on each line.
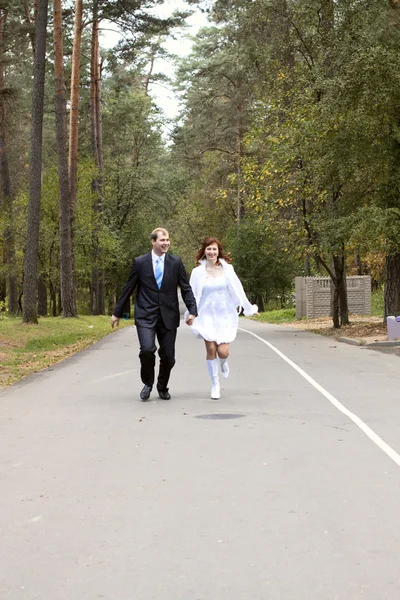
[211,253]
[161,244]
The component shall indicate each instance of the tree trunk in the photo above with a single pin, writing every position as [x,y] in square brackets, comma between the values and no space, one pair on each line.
[151,67]
[341,288]
[99,115]
[53,300]
[3,294]
[240,131]
[359,265]
[3,285]
[94,292]
[336,273]
[13,307]
[343,303]
[99,129]
[42,296]
[94,62]
[95,285]
[260,303]
[102,293]
[335,305]
[340,271]
[74,114]
[9,239]
[97,290]
[59,302]
[29,24]
[66,260]
[392,286]
[32,245]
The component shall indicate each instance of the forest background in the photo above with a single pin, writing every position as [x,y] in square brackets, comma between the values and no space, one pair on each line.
[287,147]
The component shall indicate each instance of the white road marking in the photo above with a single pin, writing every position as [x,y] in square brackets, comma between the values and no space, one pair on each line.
[363,426]
[35,519]
[114,375]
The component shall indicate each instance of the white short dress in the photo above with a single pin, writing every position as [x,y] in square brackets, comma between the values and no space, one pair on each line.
[217,319]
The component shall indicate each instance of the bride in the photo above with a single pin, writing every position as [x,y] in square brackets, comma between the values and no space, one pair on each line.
[220,297]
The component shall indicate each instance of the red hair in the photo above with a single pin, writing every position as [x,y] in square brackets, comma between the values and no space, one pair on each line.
[208,241]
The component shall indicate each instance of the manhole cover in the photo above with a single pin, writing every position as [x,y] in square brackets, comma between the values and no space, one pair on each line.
[220,416]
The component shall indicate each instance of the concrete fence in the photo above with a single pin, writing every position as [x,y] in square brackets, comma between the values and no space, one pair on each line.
[314,296]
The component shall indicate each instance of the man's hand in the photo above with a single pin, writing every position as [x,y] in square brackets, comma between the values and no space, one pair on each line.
[190,319]
[114,321]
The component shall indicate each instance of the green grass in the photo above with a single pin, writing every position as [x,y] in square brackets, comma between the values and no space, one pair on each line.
[25,349]
[284,315]
[377,303]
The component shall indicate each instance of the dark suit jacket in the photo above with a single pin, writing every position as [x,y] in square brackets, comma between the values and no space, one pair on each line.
[150,300]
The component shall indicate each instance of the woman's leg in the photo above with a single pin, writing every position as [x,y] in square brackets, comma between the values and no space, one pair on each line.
[223,350]
[223,353]
[212,366]
[211,350]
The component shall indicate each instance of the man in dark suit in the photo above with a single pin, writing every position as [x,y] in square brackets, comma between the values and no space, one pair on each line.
[156,276]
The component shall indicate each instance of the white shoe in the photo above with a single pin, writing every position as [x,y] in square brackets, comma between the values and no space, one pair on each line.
[224,367]
[215,390]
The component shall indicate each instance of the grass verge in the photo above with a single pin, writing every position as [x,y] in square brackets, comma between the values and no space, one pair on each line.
[285,315]
[26,349]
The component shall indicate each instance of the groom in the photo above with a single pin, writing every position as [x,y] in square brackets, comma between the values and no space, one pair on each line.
[156,276]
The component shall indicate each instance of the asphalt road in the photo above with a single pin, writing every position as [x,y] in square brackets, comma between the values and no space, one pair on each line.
[287,488]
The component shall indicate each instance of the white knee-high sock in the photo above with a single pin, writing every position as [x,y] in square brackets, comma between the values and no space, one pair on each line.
[212,366]
[224,367]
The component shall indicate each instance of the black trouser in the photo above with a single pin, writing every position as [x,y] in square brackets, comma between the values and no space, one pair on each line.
[166,339]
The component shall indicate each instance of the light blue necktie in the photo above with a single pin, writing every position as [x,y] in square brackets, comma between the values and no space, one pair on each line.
[159,271]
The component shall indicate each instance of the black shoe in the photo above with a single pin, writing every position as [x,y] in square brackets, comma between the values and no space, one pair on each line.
[145,393]
[164,394]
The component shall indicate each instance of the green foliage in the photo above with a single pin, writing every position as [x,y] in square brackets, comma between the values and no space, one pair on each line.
[136,192]
[322,145]
[287,147]
[263,261]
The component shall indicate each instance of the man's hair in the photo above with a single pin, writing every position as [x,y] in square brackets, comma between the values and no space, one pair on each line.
[156,231]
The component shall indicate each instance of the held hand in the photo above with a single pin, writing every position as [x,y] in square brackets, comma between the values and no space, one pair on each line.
[114,321]
[189,320]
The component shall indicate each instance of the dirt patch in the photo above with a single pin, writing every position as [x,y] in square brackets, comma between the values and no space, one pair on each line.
[362,329]
[8,345]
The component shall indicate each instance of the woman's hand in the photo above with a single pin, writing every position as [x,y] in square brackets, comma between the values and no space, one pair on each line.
[189,320]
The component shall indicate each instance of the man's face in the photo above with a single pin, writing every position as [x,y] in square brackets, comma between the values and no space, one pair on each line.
[161,244]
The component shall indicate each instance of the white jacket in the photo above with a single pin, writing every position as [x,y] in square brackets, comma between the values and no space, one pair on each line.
[239,298]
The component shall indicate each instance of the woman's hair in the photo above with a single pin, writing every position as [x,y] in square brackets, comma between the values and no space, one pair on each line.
[207,242]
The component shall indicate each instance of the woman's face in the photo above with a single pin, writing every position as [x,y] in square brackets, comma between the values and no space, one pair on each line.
[211,252]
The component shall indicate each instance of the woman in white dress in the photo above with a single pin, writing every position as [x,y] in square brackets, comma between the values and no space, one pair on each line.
[219,296]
